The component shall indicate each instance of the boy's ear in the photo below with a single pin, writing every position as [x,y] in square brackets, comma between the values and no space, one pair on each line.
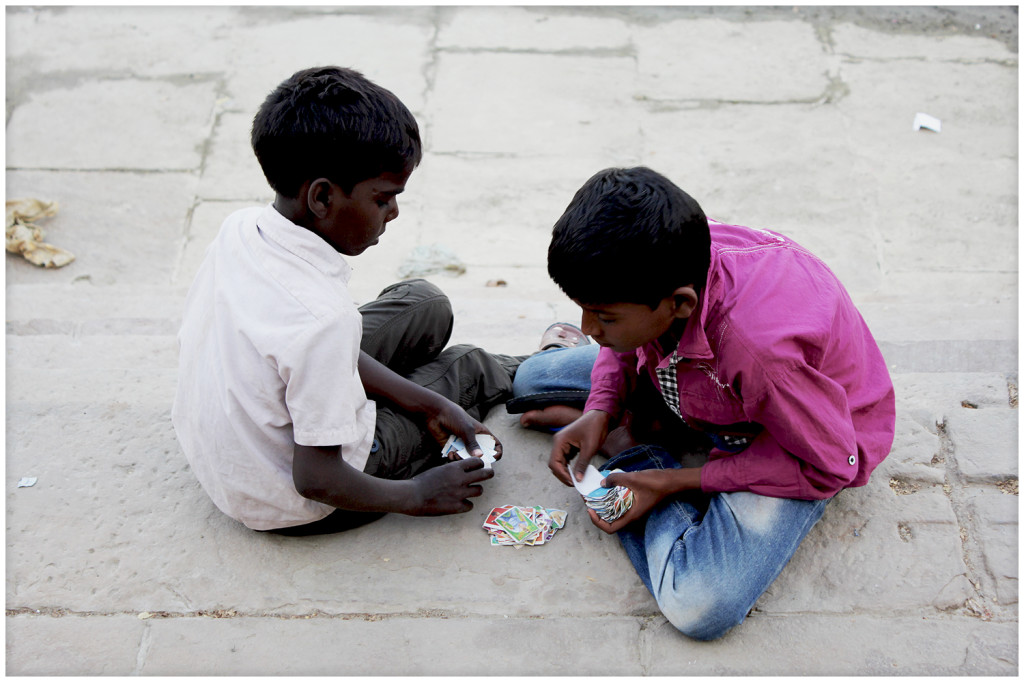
[685,301]
[318,197]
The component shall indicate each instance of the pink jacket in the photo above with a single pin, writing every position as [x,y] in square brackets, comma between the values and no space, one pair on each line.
[776,341]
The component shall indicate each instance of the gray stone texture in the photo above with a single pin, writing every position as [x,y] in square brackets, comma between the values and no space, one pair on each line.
[136,121]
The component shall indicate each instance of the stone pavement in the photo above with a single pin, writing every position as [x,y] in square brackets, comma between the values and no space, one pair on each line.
[135,120]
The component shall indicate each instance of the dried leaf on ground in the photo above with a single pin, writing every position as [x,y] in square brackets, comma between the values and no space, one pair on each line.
[26,238]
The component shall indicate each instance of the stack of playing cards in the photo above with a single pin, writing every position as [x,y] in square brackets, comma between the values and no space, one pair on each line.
[485,441]
[608,503]
[523,526]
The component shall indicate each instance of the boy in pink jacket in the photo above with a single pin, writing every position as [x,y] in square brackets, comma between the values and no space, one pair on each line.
[745,340]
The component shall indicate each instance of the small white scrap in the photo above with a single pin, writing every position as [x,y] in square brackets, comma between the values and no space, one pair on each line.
[27,482]
[926,121]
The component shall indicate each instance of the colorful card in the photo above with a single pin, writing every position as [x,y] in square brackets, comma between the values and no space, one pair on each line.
[517,524]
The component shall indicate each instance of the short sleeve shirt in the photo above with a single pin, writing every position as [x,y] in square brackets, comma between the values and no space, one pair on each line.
[269,352]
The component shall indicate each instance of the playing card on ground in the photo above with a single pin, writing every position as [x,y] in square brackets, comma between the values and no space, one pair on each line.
[523,526]
[517,524]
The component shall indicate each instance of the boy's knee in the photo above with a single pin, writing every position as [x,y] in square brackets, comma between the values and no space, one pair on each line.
[414,291]
[705,615]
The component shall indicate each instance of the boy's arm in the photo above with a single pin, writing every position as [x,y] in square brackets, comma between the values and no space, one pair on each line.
[443,417]
[610,381]
[808,449]
[320,474]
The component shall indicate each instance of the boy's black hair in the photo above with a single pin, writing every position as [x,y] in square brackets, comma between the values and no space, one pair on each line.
[629,236]
[333,123]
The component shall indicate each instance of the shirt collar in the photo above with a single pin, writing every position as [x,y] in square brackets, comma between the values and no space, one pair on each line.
[303,244]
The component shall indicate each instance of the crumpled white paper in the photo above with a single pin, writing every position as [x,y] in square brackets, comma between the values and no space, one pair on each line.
[925,121]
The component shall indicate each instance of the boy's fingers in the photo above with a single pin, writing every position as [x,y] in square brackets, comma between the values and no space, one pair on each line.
[581,466]
[562,471]
[471,464]
[596,520]
[475,466]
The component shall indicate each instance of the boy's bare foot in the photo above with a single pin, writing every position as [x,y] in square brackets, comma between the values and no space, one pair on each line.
[550,417]
[619,440]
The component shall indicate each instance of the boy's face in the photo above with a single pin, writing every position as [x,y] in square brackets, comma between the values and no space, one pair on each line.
[627,326]
[354,222]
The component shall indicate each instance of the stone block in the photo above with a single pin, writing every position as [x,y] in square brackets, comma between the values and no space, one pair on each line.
[469,205]
[143,499]
[109,125]
[863,644]
[82,352]
[769,61]
[977,103]
[950,355]
[129,238]
[965,164]
[231,171]
[720,159]
[388,45]
[529,28]
[994,515]
[73,645]
[143,40]
[941,394]
[971,324]
[428,644]
[857,41]
[78,309]
[533,105]
[873,551]
[985,443]
[915,460]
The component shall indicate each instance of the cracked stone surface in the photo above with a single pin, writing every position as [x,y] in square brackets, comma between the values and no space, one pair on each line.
[136,121]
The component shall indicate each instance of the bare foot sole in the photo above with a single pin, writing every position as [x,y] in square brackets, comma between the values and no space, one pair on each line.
[550,417]
[619,440]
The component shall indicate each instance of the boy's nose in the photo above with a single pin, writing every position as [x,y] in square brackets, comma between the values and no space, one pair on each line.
[392,214]
[587,323]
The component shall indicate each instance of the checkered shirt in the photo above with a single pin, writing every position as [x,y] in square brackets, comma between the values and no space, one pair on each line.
[669,384]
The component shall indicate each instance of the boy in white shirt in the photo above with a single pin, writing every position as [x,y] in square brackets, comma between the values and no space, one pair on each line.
[277,363]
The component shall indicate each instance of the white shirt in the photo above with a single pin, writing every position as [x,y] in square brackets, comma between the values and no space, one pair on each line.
[269,352]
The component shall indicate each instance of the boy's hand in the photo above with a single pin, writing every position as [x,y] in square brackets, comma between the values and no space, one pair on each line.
[649,488]
[444,489]
[446,418]
[586,434]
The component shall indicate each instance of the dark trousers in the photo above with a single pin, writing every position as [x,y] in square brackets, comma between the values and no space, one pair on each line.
[406,329]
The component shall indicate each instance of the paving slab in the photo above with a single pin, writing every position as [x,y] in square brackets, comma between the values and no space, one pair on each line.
[533,104]
[119,564]
[116,239]
[529,29]
[105,124]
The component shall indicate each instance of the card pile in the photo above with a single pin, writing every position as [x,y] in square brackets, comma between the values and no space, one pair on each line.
[486,443]
[608,503]
[523,526]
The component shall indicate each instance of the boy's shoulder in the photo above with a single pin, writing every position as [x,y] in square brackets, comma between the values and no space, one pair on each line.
[730,238]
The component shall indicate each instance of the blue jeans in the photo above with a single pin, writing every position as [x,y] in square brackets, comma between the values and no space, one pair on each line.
[707,558]
[560,376]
